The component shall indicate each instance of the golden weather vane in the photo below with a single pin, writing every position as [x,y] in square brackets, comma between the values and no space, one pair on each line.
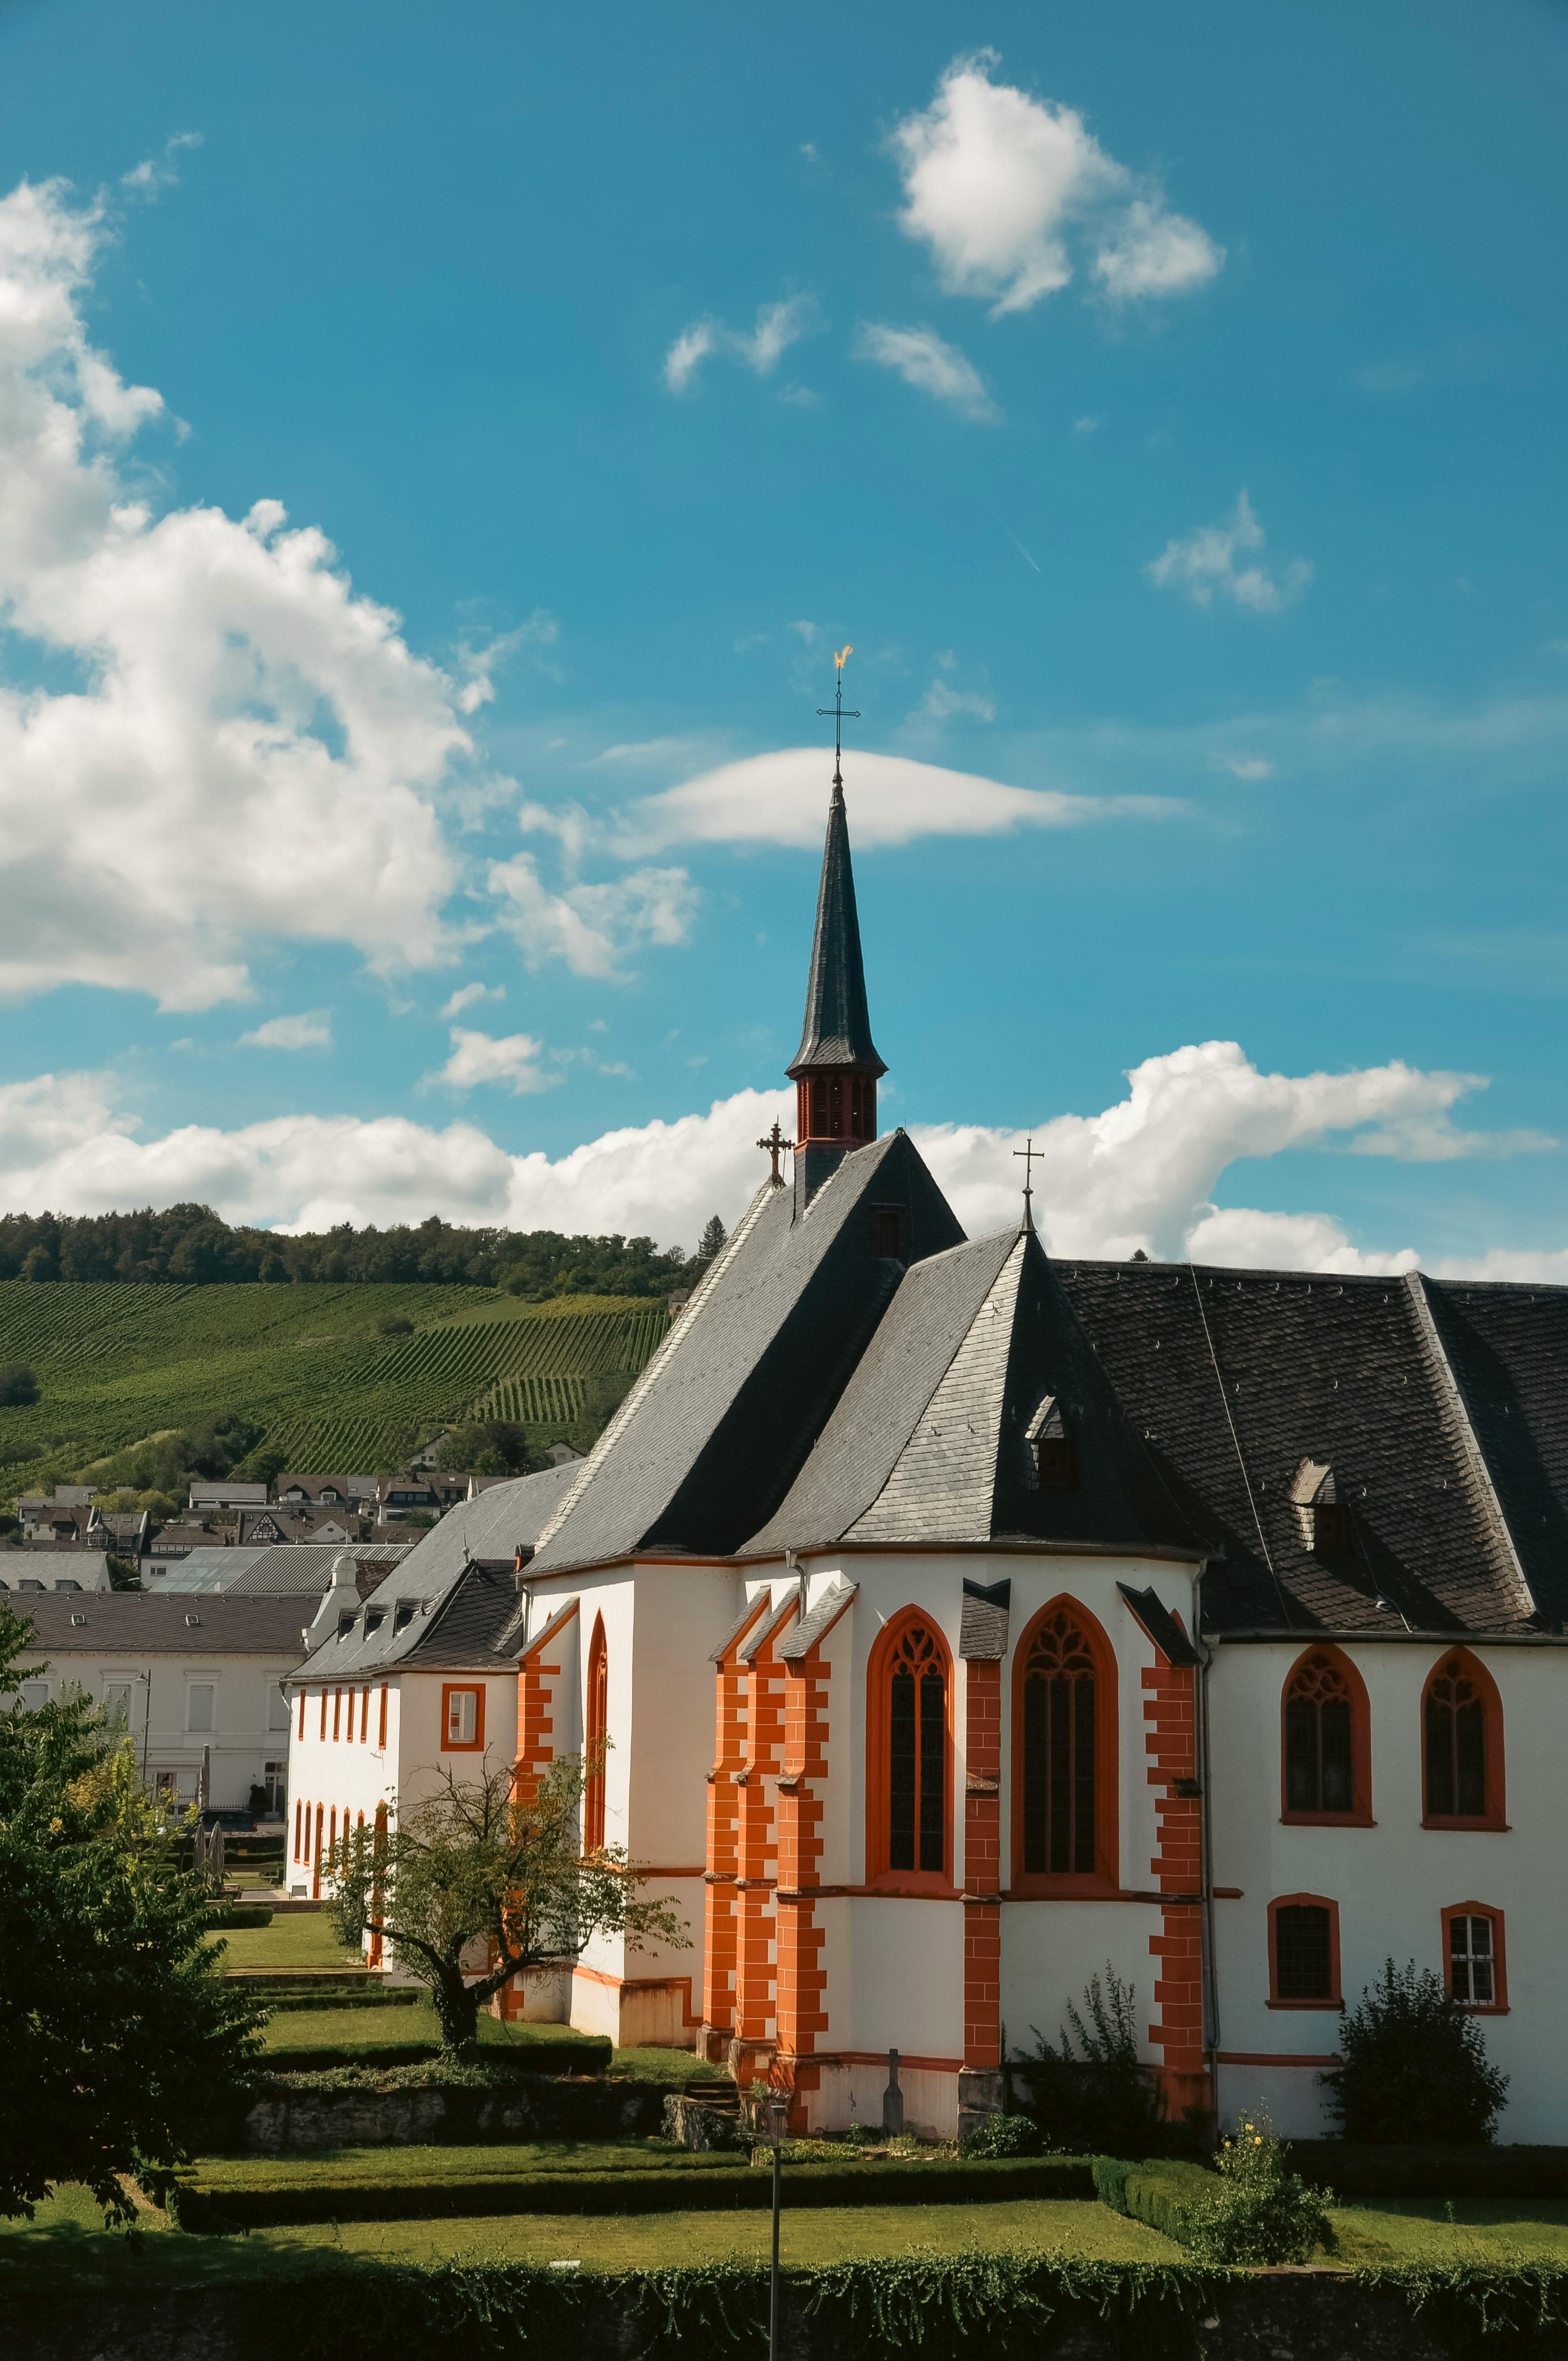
[840,713]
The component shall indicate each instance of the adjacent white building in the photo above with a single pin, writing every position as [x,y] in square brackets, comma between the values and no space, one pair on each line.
[198,1682]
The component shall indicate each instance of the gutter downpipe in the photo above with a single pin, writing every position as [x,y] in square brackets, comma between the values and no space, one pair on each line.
[1206,1848]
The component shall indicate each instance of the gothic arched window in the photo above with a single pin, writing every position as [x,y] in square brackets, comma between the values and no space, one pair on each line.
[1327,1772]
[1064,1752]
[597,1736]
[1462,1744]
[911,1754]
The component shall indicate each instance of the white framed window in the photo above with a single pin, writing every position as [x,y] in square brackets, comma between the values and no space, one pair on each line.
[462,1717]
[277,1706]
[33,1694]
[117,1701]
[201,1699]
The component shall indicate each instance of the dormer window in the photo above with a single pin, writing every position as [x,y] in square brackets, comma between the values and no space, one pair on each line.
[345,1624]
[1322,1517]
[1052,1449]
[888,1221]
[404,1616]
[374,1619]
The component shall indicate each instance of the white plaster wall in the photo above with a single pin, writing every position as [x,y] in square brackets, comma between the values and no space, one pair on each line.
[906,1979]
[1050,1949]
[240,1741]
[1393,1881]
[853,2094]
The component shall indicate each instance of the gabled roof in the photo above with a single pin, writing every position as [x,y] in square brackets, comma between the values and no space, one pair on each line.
[930,1440]
[142,1623]
[713,1434]
[837,1028]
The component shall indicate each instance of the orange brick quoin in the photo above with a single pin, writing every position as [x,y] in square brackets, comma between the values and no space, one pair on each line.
[801,1977]
[720,1918]
[757,1850]
[983,1865]
[535,1752]
[1170,1742]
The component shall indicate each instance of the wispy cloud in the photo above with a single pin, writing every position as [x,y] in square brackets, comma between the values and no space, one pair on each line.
[926,360]
[779,325]
[311,1030]
[1220,560]
[1012,194]
[507,1062]
[469,995]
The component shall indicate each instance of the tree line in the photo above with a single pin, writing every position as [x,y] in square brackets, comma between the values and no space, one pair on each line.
[192,1246]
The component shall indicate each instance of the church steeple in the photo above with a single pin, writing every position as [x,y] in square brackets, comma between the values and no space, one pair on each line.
[836,1068]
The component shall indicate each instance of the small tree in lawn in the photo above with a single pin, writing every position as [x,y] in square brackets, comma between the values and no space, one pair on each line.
[475,1864]
[1413,2065]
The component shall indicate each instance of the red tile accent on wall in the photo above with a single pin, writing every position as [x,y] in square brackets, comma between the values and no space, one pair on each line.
[983,1865]
[802,2015]
[1170,1742]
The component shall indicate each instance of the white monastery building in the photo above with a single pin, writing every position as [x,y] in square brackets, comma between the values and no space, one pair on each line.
[960,1621]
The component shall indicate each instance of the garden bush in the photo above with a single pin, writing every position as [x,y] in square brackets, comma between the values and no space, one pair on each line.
[1002,2136]
[1091,2091]
[240,1913]
[1413,2066]
[1256,2210]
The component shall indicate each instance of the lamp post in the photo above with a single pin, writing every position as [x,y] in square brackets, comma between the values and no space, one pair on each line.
[777,2105]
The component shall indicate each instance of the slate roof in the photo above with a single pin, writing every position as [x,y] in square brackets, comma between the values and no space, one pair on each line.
[1443,1410]
[458,1582]
[280,1570]
[929,1442]
[837,1027]
[714,1432]
[144,1623]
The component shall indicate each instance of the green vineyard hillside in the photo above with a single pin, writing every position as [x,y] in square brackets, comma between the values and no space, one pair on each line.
[308,1364]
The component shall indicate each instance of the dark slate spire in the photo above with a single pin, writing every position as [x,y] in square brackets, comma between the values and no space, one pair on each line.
[838,1029]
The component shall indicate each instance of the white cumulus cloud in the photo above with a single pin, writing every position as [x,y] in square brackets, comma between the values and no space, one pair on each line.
[468,995]
[1221,558]
[310,1030]
[779,325]
[247,748]
[512,1060]
[1010,192]
[781,798]
[924,360]
[1143,1172]
[593,926]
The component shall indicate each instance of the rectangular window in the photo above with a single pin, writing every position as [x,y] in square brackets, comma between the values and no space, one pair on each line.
[277,1706]
[463,1717]
[1304,1949]
[199,1707]
[117,1702]
[1476,1970]
[381,1729]
[336,1713]
[301,1713]
[297,1812]
[324,1714]
[364,1716]
[34,1695]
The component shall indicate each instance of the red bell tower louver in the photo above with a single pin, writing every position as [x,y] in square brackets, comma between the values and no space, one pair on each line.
[836,1069]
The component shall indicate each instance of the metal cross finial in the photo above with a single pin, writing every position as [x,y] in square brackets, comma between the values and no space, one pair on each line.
[839,715]
[775,1144]
[1028,1152]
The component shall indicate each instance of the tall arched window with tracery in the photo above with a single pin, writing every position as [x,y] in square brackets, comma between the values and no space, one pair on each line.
[1064,1754]
[910,1829]
[597,1726]
[1327,1741]
[1462,1744]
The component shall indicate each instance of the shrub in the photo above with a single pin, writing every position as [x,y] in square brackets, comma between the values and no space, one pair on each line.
[1002,2136]
[1100,2098]
[1413,2066]
[1257,2211]
[17,1384]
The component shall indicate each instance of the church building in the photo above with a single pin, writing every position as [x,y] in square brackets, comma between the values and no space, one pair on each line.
[960,1621]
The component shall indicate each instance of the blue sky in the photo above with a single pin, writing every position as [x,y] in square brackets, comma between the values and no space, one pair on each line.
[1166,404]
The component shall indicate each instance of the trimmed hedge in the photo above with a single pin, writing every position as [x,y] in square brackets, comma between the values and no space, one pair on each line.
[1156,2194]
[1358,2174]
[342,1996]
[240,1913]
[707,2186]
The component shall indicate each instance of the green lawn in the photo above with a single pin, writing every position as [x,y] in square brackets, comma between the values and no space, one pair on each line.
[1467,2230]
[302,1938]
[383,2168]
[363,2033]
[65,2249]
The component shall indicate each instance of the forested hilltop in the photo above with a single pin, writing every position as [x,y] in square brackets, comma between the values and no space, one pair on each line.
[191,1246]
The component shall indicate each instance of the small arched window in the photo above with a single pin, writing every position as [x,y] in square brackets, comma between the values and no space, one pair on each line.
[911,1696]
[1327,1746]
[1064,1755]
[597,1733]
[1462,1744]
